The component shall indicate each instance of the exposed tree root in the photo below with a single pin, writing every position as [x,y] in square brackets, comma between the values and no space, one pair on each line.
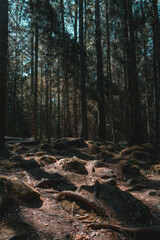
[140,233]
[93,204]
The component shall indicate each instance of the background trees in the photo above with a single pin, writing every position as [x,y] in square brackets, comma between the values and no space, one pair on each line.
[84,68]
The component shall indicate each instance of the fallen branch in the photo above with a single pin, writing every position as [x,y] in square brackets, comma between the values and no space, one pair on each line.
[137,233]
[99,209]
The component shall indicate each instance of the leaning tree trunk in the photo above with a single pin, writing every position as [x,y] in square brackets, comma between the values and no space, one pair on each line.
[3,67]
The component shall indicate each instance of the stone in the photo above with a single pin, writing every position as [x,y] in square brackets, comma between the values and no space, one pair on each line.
[45,146]
[127,168]
[56,182]
[75,165]
[20,190]
[140,155]
[123,206]
[60,146]
[29,155]
[155,168]
[153,192]
[30,163]
[21,149]
[111,181]
[76,142]
[129,150]
[94,149]
[46,160]
[40,154]
[150,148]
[131,181]
[99,164]
[136,187]
[24,236]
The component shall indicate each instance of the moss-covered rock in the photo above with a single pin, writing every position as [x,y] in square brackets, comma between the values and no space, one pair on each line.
[94,149]
[46,160]
[19,189]
[75,142]
[106,154]
[99,164]
[144,149]
[150,148]
[129,150]
[45,146]
[75,165]
[140,155]
[128,168]
[156,168]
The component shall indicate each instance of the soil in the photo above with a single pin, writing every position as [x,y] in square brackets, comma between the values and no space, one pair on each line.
[68,219]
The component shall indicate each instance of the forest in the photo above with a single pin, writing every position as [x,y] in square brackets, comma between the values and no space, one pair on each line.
[87,69]
[79,119]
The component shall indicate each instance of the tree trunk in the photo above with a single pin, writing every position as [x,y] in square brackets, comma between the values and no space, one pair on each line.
[134,99]
[109,73]
[66,84]
[3,67]
[36,77]
[100,77]
[75,79]
[156,59]
[84,134]
[125,54]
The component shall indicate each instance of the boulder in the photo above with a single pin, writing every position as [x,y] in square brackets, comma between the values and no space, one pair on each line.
[129,150]
[123,206]
[40,154]
[45,146]
[46,160]
[75,165]
[56,182]
[153,192]
[131,181]
[150,148]
[94,149]
[111,181]
[127,168]
[99,164]
[21,149]
[60,146]
[140,155]
[155,168]
[29,155]
[76,142]
[19,189]
[145,148]
[30,163]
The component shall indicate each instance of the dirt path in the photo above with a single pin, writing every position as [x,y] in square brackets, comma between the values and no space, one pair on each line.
[52,221]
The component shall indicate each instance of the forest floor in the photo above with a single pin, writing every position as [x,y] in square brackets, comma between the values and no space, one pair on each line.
[67,219]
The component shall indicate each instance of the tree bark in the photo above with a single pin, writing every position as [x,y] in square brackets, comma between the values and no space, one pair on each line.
[84,133]
[36,76]
[156,59]
[133,85]
[66,84]
[100,77]
[3,68]
[75,79]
